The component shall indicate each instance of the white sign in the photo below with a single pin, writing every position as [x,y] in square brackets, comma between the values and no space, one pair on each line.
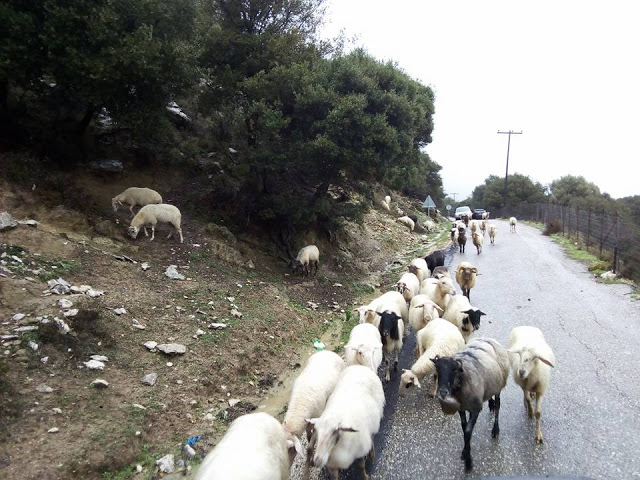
[448,207]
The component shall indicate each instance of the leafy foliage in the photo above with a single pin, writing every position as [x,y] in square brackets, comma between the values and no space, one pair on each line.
[521,189]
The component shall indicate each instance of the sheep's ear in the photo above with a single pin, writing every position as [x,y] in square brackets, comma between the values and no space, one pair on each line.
[480,312]
[347,429]
[517,352]
[437,357]
[437,307]
[311,421]
[404,370]
[474,270]
[544,360]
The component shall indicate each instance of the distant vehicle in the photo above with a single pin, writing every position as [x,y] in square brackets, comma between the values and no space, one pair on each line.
[462,211]
[477,213]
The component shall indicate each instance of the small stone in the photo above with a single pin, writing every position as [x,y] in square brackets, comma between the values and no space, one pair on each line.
[18,316]
[145,266]
[169,364]
[188,452]
[172,273]
[150,345]
[99,358]
[172,348]
[199,332]
[166,464]
[236,313]
[64,303]
[139,467]
[150,379]
[44,388]
[233,401]
[217,326]
[53,430]
[28,328]
[57,411]
[120,311]
[94,365]
[99,383]
[138,406]
[94,293]
[209,417]
[44,359]
[63,328]
[33,346]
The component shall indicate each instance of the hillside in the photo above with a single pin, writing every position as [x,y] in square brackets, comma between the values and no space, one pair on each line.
[270,315]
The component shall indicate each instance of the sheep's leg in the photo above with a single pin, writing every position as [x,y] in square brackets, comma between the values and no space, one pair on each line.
[131,210]
[145,231]
[361,467]
[387,364]
[468,431]
[310,446]
[395,362]
[179,230]
[495,431]
[335,473]
[434,389]
[539,437]
[153,232]
[372,452]
[527,403]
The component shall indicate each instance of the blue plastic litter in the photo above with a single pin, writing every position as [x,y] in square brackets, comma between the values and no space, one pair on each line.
[193,440]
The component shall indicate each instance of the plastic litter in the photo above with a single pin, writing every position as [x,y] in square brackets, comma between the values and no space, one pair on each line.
[318,345]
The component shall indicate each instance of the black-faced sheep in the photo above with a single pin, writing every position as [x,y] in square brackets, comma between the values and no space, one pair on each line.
[307,258]
[150,215]
[391,332]
[531,362]
[460,312]
[468,379]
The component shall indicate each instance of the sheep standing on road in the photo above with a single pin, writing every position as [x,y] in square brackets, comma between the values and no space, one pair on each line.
[391,331]
[422,311]
[513,221]
[460,312]
[392,301]
[466,277]
[434,259]
[478,240]
[419,268]
[483,227]
[307,258]
[438,290]
[454,237]
[531,362]
[150,215]
[310,393]
[133,196]
[492,233]
[462,238]
[255,447]
[344,433]
[439,337]
[467,380]
[408,285]
[364,347]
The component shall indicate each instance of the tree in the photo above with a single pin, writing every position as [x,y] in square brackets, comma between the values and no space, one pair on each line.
[521,190]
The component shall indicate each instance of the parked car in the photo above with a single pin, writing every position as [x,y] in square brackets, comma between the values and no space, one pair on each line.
[477,213]
[462,211]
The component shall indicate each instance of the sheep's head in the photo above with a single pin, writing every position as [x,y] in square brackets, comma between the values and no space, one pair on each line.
[407,380]
[467,272]
[450,376]
[389,326]
[133,232]
[401,287]
[528,361]
[115,203]
[446,286]
[327,436]
[473,317]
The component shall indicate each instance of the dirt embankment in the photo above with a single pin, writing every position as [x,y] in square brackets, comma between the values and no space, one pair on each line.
[71,429]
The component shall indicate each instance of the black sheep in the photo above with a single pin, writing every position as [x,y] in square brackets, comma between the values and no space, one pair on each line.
[435,259]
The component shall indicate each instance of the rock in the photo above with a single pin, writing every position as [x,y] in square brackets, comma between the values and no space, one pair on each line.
[250,265]
[145,266]
[173,274]
[33,346]
[109,166]
[608,276]
[99,358]
[150,379]
[199,332]
[236,313]
[28,328]
[64,303]
[80,289]
[18,316]
[42,388]
[59,286]
[70,313]
[138,406]
[217,326]
[150,345]
[233,401]
[172,348]
[44,359]
[221,232]
[99,383]
[166,464]
[188,452]
[139,468]
[120,311]
[94,365]
[63,328]
[28,223]
[57,411]
[53,430]
[94,293]
[7,221]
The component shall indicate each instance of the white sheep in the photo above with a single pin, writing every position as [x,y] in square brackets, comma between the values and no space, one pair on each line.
[485,216]
[364,347]
[150,215]
[408,285]
[454,237]
[419,268]
[478,240]
[438,290]
[255,447]
[392,301]
[344,433]
[460,312]
[133,196]
[407,221]
[531,361]
[429,225]
[421,311]
[385,205]
[483,227]
[440,338]
[387,199]
[440,271]
[307,258]
[473,226]
[466,275]
[513,221]
[310,392]
[492,233]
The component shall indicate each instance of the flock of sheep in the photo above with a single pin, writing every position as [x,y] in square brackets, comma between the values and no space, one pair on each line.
[338,402]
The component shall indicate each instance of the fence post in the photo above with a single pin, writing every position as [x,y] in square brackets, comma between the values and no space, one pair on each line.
[588,227]
[577,224]
[601,231]
[615,250]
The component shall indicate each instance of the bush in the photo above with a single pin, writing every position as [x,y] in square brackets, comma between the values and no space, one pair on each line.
[553,227]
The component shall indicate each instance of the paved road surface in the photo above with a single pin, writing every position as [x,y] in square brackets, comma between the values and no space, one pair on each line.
[591,414]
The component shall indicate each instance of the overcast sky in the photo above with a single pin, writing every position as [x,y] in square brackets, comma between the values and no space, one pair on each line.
[566,73]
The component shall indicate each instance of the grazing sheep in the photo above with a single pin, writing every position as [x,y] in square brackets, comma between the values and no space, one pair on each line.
[454,236]
[462,238]
[392,301]
[151,215]
[307,258]
[513,221]
[385,205]
[438,291]
[408,285]
[492,233]
[478,240]
[387,199]
[364,347]
[438,338]
[391,331]
[419,268]
[440,272]
[434,259]
[531,362]
[422,311]
[133,196]
[256,447]
[429,225]
[408,222]
[344,433]
[310,393]
[483,227]
[460,312]
[466,277]
[468,379]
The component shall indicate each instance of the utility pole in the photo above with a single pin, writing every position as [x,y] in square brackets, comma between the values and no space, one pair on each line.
[454,196]
[506,175]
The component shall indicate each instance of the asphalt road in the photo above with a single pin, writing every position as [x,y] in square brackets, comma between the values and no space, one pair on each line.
[591,413]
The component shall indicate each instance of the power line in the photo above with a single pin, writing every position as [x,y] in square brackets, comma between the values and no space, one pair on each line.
[506,175]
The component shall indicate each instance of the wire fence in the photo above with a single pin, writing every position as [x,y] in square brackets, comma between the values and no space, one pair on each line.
[609,236]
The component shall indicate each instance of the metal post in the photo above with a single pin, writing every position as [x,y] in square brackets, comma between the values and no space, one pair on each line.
[577,224]
[601,231]
[588,228]
[615,251]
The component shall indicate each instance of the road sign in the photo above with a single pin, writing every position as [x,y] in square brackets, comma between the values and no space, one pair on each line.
[448,207]
[428,203]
